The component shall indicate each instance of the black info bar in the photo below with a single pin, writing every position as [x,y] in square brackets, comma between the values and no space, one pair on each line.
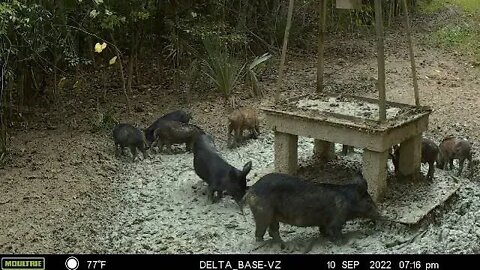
[239,261]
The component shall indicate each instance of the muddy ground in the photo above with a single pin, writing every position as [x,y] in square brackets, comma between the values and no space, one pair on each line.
[64,191]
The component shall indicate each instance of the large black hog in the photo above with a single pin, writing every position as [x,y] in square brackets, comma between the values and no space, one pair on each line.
[179,116]
[430,152]
[174,132]
[278,197]
[216,172]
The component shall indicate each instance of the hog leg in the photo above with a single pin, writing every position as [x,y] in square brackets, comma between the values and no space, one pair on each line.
[431,171]
[143,150]
[211,194]
[461,161]
[273,231]
[229,137]
[117,148]
[262,222]
[254,134]
[133,149]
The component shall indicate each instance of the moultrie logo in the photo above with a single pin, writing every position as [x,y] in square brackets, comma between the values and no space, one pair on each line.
[23,263]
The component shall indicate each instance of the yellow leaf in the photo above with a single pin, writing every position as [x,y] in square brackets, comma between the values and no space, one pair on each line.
[75,85]
[113,60]
[61,83]
[100,47]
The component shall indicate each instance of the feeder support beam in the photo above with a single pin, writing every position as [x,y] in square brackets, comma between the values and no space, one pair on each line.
[380,60]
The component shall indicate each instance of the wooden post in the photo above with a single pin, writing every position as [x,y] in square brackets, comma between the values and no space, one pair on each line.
[380,60]
[412,56]
[284,50]
[321,44]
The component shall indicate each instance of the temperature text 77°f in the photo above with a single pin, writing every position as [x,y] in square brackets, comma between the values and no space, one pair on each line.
[98,264]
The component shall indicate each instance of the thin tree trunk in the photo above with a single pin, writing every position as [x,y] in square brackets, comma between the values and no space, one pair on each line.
[284,50]
[122,75]
[61,17]
[55,63]
[20,85]
[321,44]
[104,81]
[129,74]
[131,59]
[91,54]
[411,54]
[390,13]
[3,103]
[28,89]
[177,56]
[135,66]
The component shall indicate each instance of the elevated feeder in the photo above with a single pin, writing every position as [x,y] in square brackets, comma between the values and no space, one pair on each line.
[328,118]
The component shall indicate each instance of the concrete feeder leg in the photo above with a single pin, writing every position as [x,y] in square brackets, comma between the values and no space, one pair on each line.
[286,155]
[410,157]
[324,150]
[374,170]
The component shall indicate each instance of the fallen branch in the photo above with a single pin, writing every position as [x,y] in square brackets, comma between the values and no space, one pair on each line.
[454,177]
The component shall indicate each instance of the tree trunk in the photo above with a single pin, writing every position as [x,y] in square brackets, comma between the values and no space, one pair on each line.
[129,74]
[135,66]
[284,50]
[321,44]
[28,89]
[242,21]
[104,82]
[3,104]
[122,75]
[55,92]
[411,54]
[177,56]
[19,87]
[131,59]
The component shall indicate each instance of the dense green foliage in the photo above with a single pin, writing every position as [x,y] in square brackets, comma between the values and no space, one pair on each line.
[44,41]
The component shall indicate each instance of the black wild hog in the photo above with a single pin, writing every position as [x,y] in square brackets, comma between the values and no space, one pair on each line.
[173,132]
[430,153]
[126,135]
[278,197]
[216,172]
[452,148]
[179,116]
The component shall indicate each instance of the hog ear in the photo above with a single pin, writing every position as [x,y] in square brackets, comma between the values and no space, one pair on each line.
[246,168]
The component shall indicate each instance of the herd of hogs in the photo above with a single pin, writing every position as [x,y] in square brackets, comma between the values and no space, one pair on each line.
[275,197]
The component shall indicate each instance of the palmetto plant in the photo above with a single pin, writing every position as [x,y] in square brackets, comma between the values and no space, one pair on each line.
[255,90]
[223,69]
